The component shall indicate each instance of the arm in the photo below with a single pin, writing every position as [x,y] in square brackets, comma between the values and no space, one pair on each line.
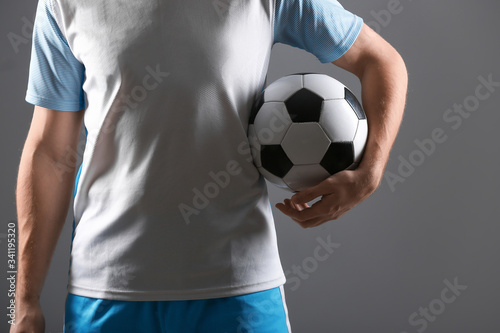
[384,81]
[43,195]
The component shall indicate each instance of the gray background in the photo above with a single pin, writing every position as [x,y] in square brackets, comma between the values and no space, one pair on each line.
[399,246]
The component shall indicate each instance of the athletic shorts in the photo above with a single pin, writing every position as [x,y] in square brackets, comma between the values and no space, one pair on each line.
[260,312]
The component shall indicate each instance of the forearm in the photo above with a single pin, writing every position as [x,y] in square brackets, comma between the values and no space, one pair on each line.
[43,195]
[384,81]
[384,86]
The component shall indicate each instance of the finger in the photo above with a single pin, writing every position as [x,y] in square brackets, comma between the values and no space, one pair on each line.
[286,207]
[307,223]
[312,193]
[290,209]
[281,207]
[320,220]
[304,212]
[299,207]
[318,209]
[288,212]
[289,204]
[302,206]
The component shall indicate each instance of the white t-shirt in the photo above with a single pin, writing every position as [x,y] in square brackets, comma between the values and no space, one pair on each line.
[168,203]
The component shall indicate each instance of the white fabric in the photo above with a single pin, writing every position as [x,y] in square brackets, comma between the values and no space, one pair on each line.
[168,202]
[132,241]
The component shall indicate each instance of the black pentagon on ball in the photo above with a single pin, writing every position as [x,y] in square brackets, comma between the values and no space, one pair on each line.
[354,103]
[275,160]
[339,156]
[304,106]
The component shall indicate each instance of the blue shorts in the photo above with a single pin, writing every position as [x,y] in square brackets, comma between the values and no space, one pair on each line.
[260,312]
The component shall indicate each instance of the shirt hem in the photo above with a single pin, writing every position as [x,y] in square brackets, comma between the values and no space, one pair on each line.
[51,104]
[176,295]
[350,38]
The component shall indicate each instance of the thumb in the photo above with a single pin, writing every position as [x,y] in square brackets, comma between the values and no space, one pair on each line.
[311,193]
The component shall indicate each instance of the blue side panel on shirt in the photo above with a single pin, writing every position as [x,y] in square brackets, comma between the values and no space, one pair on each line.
[321,27]
[77,179]
[56,76]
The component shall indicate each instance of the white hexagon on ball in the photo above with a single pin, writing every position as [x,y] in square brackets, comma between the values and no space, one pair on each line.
[272,123]
[325,86]
[337,112]
[301,177]
[305,143]
[282,88]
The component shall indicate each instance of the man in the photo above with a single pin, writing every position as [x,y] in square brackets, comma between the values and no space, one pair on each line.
[173,231]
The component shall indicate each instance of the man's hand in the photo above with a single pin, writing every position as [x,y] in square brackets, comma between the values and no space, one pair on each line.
[384,81]
[339,193]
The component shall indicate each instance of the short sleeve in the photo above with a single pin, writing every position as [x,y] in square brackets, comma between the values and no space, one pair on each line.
[55,75]
[321,27]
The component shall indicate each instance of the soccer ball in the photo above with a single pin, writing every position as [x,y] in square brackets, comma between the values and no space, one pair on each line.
[305,128]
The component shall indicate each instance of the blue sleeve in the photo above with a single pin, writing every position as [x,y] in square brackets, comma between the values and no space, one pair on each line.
[321,27]
[55,76]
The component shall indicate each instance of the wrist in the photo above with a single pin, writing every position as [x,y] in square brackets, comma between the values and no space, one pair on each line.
[27,298]
[373,174]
